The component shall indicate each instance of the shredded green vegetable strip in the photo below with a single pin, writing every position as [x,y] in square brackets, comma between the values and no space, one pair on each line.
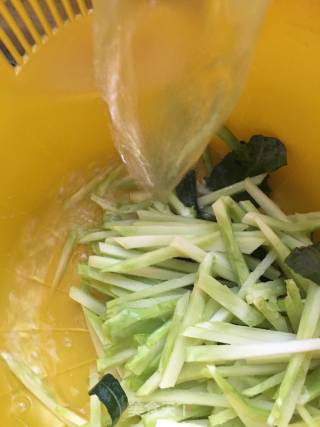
[199,330]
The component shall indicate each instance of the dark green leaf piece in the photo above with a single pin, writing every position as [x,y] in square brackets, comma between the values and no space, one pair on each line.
[262,154]
[111,394]
[187,190]
[306,262]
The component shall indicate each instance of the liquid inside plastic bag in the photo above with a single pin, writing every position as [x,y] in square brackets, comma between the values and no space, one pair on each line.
[170,72]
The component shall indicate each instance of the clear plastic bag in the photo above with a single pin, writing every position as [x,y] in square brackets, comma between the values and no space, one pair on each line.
[170,72]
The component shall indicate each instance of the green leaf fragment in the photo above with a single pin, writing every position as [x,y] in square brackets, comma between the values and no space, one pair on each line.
[306,262]
[130,321]
[149,350]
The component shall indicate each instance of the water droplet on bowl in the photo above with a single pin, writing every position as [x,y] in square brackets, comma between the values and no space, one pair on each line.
[21,403]
[67,342]
[74,391]
[83,257]
[22,407]
[36,370]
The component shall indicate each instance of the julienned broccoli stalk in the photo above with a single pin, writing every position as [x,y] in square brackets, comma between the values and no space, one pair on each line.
[234,254]
[95,404]
[235,334]
[250,416]
[298,367]
[193,313]
[205,316]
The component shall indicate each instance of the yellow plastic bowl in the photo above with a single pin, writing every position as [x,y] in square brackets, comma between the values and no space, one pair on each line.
[52,123]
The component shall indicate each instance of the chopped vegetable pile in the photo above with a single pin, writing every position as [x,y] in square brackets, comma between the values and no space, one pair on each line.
[204,311]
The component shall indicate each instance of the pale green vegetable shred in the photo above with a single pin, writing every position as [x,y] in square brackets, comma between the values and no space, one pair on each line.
[199,330]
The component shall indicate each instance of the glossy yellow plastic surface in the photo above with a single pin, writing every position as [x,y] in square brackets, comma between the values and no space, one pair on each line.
[52,123]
